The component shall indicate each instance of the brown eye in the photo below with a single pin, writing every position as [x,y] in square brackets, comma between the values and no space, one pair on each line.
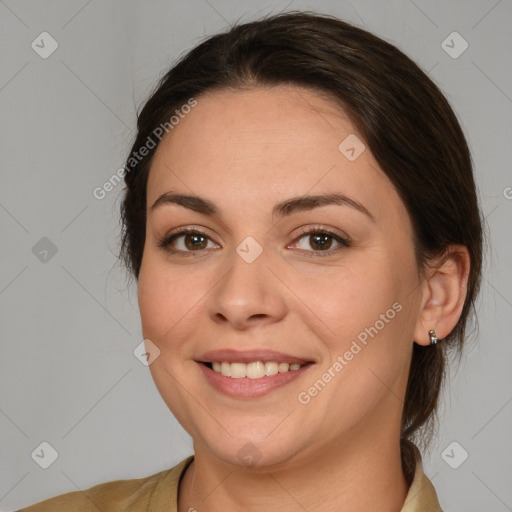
[320,241]
[195,241]
[186,241]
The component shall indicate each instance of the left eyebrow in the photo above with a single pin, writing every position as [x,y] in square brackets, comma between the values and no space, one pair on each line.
[304,203]
[285,208]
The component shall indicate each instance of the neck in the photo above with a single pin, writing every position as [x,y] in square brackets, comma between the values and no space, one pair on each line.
[351,476]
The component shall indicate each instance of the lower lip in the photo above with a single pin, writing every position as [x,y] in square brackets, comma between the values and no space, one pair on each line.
[250,388]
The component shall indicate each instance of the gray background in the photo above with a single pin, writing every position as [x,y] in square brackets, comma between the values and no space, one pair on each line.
[70,324]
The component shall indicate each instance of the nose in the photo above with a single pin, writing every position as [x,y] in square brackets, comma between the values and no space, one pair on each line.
[249,294]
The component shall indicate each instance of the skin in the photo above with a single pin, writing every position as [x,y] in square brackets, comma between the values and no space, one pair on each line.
[245,151]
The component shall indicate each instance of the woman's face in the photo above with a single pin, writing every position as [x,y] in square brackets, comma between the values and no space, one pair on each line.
[264,286]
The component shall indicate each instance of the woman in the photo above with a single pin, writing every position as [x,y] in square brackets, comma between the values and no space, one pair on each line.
[301,218]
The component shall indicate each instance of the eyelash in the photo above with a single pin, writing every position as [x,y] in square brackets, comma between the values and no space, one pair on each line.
[166,241]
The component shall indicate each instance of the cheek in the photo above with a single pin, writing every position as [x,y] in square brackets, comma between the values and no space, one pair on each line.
[172,301]
[363,304]
[153,298]
[164,297]
[166,302]
[351,297]
[368,341]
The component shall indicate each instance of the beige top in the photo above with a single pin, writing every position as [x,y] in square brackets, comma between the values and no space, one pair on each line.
[159,493]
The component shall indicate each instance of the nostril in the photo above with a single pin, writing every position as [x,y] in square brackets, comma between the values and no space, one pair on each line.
[259,315]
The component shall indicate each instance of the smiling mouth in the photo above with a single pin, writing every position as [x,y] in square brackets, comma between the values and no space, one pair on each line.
[252,370]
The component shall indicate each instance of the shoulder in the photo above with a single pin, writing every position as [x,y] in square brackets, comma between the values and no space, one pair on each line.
[422,496]
[115,496]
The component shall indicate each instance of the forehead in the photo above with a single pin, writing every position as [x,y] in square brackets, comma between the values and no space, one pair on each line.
[281,141]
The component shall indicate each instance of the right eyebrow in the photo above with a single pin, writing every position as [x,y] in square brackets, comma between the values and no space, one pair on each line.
[195,203]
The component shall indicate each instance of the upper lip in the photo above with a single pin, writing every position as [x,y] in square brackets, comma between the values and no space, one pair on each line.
[249,356]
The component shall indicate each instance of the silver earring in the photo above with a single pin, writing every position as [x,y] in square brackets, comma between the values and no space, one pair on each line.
[433,337]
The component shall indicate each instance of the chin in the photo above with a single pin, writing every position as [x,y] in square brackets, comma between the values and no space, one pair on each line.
[254,455]
[261,449]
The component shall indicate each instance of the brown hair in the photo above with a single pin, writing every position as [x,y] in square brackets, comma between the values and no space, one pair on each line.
[405,121]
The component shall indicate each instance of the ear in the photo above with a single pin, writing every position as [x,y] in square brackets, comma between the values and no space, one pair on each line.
[444,292]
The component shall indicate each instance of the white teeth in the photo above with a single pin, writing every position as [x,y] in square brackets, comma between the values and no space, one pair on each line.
[271,368]
[225,369]
[283,367]
[254,370]
[238,370]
